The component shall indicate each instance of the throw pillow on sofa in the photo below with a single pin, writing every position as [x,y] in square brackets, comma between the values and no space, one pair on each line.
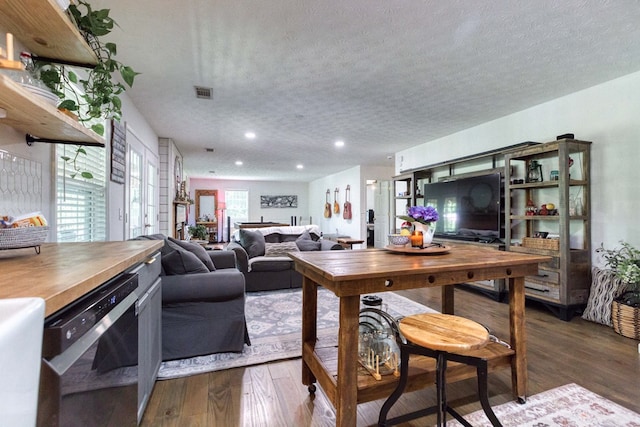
[182,262]
[195,249]
[280,249]
[252,242]
[306,243]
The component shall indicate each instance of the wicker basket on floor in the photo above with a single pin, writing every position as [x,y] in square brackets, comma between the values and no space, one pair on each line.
[626,320]
[23,237]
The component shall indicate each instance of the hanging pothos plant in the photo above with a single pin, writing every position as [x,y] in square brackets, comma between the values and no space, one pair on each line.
[98,96]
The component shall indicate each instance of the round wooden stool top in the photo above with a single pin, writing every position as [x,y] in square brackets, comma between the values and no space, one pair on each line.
[444,332]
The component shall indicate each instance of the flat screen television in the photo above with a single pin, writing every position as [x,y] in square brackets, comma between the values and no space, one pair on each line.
[469,208]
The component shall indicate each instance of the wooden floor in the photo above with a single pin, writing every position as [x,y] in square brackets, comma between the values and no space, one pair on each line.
[559,352]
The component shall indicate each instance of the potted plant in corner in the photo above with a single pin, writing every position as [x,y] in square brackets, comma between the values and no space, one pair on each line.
[625,310]
[199,232]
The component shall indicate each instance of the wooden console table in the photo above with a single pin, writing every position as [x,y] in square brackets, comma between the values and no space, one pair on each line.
[349,274]
[348,242]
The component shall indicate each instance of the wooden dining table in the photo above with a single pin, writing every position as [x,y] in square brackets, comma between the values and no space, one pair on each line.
[350,274]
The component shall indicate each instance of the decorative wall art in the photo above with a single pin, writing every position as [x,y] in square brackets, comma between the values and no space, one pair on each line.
[278,202]
[118,152]
[327,204]
[347,214]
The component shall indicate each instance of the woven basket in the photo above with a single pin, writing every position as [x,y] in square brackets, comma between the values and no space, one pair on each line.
[538,243]
[23,237]
[626,320]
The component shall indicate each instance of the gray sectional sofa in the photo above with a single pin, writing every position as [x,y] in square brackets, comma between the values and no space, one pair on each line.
[261,254]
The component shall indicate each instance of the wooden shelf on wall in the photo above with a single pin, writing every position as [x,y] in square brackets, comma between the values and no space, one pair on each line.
[32,115]
[46,30]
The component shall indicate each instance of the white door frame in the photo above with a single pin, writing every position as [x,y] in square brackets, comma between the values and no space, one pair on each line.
[148,158]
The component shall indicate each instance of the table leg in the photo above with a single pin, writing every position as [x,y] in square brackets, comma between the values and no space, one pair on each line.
[518,338]
[447,303]
[309,324]
[347,380]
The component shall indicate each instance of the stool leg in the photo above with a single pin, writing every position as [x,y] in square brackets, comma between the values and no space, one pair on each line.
[483,393]
[441,382]
[402,383]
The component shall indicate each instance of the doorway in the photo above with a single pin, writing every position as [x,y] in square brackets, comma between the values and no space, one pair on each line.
[378,210]
[141,189]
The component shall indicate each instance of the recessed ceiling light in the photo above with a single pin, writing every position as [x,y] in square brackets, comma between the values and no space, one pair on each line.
[300,166]
[238,163]
[250,135]
[339,143]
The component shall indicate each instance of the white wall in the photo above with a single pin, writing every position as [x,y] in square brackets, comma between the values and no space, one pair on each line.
[257,189]
[13,142]
[117,192]
[337,224]
[606,114]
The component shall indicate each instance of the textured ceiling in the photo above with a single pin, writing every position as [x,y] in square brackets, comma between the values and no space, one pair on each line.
[380,75]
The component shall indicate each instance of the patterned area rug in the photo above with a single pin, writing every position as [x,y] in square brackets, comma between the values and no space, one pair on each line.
[566,406]
[274,320]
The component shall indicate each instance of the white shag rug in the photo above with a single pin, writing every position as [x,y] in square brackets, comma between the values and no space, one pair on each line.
[566,406]
[274,321]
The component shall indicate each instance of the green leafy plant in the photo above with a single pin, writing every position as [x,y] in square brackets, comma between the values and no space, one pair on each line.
[98,98]
[99,94]
[74,162]
[625,264]
[199,232]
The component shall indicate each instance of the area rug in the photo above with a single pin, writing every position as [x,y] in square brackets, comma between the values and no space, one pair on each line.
[566,406]
[274,320]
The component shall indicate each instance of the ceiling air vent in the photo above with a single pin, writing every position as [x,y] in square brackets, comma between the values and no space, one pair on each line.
[203,92]
[209,150]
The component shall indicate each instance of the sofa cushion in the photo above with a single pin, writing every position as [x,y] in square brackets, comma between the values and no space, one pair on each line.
[197,250]
[272,238]
[280,249]
[306,243]
[270,263]
[182,262]
[252,242]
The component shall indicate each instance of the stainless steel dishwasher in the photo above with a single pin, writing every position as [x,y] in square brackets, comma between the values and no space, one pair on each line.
[89,373]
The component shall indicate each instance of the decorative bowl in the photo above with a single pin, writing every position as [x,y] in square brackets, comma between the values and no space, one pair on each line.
[398,239]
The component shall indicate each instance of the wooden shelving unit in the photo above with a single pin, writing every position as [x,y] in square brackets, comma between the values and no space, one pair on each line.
[46,31]
[563,283]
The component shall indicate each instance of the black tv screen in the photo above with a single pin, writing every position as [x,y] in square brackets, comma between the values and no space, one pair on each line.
[469,208]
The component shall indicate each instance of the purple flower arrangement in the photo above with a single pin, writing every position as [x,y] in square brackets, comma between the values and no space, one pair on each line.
[421,214]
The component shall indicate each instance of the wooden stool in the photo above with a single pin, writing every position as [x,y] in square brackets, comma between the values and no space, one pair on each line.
[440,336]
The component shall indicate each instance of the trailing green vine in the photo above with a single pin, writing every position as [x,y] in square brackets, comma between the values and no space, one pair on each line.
[98,96]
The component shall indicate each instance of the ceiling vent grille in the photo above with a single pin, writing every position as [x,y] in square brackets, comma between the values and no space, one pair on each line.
[209,150]
[203,92]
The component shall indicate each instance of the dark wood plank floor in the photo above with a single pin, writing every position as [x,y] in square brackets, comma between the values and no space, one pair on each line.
[559,352]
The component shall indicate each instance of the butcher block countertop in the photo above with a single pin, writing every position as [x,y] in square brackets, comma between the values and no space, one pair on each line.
[63,272]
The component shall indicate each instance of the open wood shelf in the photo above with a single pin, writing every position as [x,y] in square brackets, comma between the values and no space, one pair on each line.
[35,116]
[45,30]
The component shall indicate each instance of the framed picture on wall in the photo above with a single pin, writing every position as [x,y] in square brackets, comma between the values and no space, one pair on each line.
[278,202]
